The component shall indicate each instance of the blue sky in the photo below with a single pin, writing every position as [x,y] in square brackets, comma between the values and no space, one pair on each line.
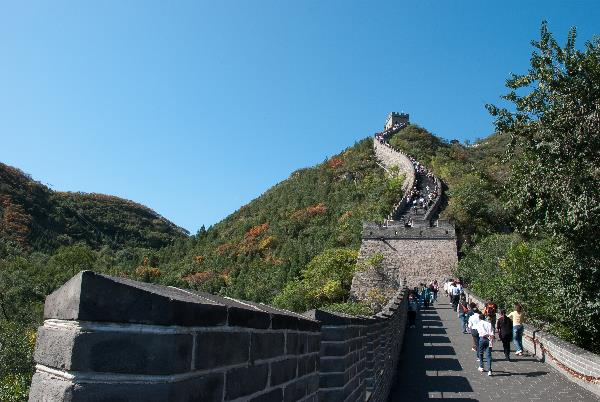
[195,108]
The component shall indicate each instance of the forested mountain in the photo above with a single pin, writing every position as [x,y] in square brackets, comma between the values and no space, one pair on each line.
[256,250]
[38,219]
[318,212]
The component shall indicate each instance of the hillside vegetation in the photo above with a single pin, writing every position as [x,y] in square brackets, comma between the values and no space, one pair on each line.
[255,251]
[38,219]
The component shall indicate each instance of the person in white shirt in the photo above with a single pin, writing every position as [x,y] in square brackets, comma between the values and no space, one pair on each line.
[486,336]
[471,325]
[454,295]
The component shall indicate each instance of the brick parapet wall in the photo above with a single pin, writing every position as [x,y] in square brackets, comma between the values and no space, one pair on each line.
[437,203]
[113,339]
[389,158]
[359,355]
[573,362]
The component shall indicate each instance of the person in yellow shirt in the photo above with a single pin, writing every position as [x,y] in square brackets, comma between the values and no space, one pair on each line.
[517,319]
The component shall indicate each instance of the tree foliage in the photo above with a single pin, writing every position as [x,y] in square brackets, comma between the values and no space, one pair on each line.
[554,185]
[325,280]
[555,135]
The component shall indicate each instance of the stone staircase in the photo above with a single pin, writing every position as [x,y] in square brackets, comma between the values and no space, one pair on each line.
[413,244]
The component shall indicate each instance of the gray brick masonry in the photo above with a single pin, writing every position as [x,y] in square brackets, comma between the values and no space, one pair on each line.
[104,339]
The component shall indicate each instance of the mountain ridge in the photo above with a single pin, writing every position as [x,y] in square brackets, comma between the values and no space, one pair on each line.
[35,217]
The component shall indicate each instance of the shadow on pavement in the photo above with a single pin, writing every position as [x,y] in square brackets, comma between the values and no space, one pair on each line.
[436,339]
[432,323]
[438,350]
[434,331]
[426,353]
[442,364]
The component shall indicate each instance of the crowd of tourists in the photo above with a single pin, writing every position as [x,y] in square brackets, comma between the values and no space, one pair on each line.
[421,296]
[483,325]
[415,199]
[382,136]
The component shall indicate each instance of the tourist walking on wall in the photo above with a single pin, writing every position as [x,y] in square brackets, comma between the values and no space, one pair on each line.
[426,296]
[412,311]
[472,326]
[447,285]
[431,293]
[455,294]
[463,310]
[486,337]
[505,332]
[517,320]
[490,311]
[436,289]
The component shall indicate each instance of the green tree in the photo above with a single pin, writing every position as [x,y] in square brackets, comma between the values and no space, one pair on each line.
[326,279]
[554,186]
[72,259]
[555,132]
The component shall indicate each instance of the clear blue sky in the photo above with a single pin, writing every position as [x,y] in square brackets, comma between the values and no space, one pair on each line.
[195,108]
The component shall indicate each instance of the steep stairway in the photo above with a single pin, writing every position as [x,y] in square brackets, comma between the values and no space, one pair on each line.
[412,246]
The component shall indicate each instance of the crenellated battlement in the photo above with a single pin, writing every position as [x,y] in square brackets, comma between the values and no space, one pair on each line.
[395,118]
[397,230]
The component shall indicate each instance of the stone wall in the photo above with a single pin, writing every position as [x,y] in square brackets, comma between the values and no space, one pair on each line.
[388,157]
[413,257]
[573,362]
[359,355]
[437,204]
[114,339]
[395,118]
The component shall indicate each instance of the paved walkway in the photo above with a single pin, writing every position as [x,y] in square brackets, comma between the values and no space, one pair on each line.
[437,363]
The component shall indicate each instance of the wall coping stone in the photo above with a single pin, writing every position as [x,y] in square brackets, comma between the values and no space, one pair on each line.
[90,296]
[335,318]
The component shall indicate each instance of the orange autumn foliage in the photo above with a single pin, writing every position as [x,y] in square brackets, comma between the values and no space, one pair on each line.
[14,221]
[346,215]
[257,230]
[199,278]
[270,259]
[147,272]
[335,162]
[224,248]
[226,275]
[309,212]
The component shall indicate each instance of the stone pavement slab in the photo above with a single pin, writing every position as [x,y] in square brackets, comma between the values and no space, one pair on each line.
[437,363]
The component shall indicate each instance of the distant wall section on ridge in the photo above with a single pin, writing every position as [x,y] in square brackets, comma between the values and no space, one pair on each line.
[415,248]
[389,158]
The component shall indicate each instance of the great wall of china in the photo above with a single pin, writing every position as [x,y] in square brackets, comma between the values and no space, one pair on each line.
[114,339]
[413,245]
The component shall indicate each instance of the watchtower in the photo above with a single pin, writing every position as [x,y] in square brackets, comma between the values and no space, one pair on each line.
[395,118]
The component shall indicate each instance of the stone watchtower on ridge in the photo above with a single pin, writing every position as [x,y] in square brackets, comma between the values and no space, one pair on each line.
[395,118]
